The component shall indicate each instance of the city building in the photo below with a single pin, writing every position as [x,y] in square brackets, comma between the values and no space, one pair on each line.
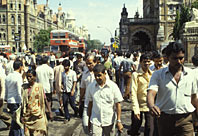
[152,31]
[21,20]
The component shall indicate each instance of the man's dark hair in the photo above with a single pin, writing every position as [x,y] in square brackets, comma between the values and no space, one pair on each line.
[17,64]
[79,55]
[164,51]
[195,60]
[99,68]
[128,54]
[174,47]
[90,55]
[45,59]
[145,56]
[66,63]
[119,53]
[32,71]
[156,55]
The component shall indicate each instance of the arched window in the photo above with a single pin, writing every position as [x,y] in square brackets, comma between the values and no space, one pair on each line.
[12,19]
[4,36]
[4,19]
[0,19]
[19,19]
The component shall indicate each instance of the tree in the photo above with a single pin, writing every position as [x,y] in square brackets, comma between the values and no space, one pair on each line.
[42,39]
[94,44]
[195,4]
[183,16]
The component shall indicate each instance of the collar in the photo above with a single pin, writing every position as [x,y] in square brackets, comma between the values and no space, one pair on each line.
[107,84]
[183,70]
[140,70]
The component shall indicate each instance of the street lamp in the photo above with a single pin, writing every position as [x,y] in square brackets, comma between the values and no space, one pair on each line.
[108,31]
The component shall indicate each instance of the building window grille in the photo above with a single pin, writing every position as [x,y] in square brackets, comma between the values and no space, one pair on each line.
[0,19]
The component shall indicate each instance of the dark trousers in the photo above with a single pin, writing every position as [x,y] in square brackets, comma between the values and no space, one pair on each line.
[71,99]
[175,125]
[15,129]
[136,124]
[81,109]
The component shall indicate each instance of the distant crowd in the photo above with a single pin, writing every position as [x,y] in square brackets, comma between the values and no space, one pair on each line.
[157,85]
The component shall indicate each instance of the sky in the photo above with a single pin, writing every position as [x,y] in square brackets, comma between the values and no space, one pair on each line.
[94,13]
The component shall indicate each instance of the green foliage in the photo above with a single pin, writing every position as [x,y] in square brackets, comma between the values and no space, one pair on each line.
[94,44]
[42,39]
[195,4]
[182,17]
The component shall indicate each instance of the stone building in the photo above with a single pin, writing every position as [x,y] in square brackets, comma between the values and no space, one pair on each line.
[152,31]
[25,18]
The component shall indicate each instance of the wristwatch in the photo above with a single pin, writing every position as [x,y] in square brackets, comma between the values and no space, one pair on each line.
[119,120]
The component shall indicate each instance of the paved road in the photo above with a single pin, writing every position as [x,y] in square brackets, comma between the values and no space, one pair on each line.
[74,126]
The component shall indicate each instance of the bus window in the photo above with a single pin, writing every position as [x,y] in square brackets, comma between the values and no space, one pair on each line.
[62,35]
[54,35]
[54,48]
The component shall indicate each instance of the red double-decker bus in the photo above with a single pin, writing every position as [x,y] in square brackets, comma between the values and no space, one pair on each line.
[63,41]
[82,44]
[6,49]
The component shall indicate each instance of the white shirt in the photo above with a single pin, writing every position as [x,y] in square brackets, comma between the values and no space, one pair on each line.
[87,78]
[117,61]
[9,67]
[13,84]
[45,76]
[68,80]
[173,98]
[195,71]
[103,99]
[52,58]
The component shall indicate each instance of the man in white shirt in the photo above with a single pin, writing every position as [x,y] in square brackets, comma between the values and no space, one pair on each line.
[87,78]
[176,90]
[103,94]
[13,83]
[3,116]
[69,80]
[45,76]
[52,60]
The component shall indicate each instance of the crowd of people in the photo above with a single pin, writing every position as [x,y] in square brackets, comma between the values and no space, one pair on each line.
[156,84]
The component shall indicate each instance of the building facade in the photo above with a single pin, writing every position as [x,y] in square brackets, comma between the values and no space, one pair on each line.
[152,31]
[25,18]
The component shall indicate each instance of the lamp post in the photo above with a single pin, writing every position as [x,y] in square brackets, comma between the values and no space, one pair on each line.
[111,39]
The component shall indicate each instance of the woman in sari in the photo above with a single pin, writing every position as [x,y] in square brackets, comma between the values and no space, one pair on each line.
[34,101]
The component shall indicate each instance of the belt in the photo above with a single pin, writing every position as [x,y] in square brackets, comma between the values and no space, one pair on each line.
[175,115]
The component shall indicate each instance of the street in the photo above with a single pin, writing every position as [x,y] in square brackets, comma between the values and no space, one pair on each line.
[74,126]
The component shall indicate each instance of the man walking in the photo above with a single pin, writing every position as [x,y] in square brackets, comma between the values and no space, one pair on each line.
[13,83]
[140,81]
[176,90]
[103,94]
[45,76]
[69,79]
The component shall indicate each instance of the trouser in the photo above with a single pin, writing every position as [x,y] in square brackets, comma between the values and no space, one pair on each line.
[154,127]
[117,77]
[84,116]
[175,124]
[102,131]
[5,117]
[136,123]
[71,99]
[15,129]
[127,83]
